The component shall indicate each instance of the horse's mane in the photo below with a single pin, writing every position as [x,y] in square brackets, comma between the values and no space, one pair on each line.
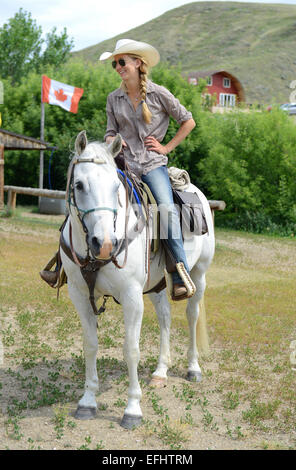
[93,149]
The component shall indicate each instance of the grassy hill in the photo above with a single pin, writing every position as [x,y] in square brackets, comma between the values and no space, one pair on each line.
[255,42]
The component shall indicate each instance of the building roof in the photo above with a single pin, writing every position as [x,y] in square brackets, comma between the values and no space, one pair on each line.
[13,141]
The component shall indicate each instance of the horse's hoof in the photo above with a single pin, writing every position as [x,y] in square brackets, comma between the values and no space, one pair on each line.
[158,382]
[85,412]
[193,376]
[130,421]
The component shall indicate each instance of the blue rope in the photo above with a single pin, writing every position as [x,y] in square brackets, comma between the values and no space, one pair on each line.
[131,186]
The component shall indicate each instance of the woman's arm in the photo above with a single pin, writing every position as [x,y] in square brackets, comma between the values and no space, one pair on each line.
[183,131]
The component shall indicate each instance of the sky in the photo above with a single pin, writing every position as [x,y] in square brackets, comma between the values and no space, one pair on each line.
[89,22]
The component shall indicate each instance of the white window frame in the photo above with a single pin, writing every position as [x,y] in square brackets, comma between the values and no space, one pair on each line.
[226,80]
[227,100]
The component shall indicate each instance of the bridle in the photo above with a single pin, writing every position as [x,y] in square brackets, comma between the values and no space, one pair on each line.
[82,213]
[89,266]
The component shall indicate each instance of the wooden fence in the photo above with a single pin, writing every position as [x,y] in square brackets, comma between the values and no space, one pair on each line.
[53,194]
[14,190]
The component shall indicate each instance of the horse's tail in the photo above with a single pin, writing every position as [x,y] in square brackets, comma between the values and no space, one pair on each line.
[201,330]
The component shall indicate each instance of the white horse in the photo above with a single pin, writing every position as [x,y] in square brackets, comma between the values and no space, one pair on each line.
[100,220]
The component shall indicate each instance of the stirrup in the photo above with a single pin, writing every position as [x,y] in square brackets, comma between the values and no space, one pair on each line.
[188,283]
[54,281]
[51,262]
[184,275]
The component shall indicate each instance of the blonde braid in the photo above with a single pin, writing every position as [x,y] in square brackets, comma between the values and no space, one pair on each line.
[143,72]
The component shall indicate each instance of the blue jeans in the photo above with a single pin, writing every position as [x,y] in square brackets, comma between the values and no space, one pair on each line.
[160,186]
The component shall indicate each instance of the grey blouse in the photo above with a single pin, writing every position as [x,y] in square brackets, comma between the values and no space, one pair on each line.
[122,118]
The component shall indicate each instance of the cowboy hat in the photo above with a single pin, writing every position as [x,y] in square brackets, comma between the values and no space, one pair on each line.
[129,46]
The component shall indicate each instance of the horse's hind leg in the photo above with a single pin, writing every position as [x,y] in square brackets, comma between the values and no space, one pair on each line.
[163,311]
[87,406]
[192,312]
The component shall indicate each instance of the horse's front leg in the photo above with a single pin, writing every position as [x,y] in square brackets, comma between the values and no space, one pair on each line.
[132,302]
[87,406]
[163,311]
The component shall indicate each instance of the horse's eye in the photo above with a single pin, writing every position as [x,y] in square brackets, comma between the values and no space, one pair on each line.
[79,186]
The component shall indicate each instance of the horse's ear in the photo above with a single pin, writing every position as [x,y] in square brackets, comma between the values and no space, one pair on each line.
[80,142]
[116,145]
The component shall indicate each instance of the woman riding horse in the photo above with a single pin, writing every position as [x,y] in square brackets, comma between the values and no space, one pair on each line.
[140,111]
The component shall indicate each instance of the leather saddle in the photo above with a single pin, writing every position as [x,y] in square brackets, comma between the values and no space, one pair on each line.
[192,217]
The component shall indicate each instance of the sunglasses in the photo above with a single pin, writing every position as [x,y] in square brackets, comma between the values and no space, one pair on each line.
[120,61]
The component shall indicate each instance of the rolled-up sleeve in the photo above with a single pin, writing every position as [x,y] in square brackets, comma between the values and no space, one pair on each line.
[173,106]
[112,125]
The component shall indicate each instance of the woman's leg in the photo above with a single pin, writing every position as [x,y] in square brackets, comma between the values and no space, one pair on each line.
[160,186]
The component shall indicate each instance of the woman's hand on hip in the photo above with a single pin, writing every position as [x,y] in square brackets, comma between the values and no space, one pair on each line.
[184,129]
[152,144]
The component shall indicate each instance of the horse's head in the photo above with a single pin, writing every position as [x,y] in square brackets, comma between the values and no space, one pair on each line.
[93,189]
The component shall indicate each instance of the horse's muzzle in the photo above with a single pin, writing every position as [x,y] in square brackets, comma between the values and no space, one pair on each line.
[103,249]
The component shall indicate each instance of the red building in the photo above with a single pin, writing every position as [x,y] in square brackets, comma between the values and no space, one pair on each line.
[226,88]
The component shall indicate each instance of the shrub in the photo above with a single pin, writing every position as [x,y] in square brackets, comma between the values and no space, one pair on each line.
[247,159]
[250,164]
[21,113]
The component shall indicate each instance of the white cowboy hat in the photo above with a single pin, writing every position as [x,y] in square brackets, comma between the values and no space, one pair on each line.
[129,46]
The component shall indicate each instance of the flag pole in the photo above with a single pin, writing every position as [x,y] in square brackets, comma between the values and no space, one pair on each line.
[41,166]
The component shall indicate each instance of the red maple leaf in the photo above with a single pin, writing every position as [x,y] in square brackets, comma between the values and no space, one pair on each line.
[60,95]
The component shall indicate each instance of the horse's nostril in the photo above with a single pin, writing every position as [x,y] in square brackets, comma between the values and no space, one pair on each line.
[96,243]
[115,243]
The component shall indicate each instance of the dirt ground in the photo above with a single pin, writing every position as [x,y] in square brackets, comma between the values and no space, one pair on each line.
[42,373]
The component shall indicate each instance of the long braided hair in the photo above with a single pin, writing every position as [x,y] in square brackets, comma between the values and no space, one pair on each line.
[143,74]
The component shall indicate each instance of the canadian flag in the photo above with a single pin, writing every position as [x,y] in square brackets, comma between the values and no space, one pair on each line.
[60,94]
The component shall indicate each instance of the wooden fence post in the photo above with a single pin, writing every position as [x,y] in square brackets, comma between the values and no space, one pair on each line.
[11,201]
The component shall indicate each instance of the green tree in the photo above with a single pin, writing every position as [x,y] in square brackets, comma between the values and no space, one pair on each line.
[247,159]
[250,163]
[21,114]
[57,48]
[21,47]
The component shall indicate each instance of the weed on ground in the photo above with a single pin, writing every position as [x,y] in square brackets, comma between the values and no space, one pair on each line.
[246,400]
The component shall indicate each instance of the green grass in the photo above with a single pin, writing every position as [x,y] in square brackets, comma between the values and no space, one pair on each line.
[261,274]
[247,398]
